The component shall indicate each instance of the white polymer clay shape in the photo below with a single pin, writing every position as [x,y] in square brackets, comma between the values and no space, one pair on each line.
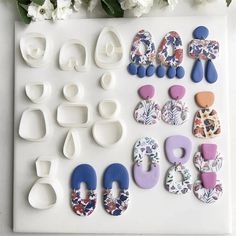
[35,49]
[45,193]
[74,55]
[107,81]
[109,52]
[38,92]
[71,146]
[35,124]
[73,115]
[46,166]
[73,92]
[108,133]
[108,108]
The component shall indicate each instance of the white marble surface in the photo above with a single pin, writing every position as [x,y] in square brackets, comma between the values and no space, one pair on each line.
[8,15]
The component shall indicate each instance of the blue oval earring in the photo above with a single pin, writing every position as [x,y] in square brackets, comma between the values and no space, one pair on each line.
[116,206]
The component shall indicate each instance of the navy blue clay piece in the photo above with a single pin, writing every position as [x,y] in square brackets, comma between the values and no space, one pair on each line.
[160,71]
[132,69]
[171,72]
[141,71]
[211,73]
[150,70]
[201,32]
[84,173]
[180,72]
[197,71]
[116,172]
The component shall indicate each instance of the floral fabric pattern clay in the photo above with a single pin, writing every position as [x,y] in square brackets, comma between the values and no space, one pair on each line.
[207,195]
[206,124]
[143,37]
[115,206]
[147,112]
[146,146]
[203,49]
[209,165]
[177,187]
[83,207]
[175,112]
[171,38]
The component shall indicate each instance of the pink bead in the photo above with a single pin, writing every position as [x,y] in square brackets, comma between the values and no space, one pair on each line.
[208,179]
[146,92]
[177,92]
[209,151]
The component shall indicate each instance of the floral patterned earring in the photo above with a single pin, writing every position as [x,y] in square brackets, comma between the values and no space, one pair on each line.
[201,49]
[171,184]
[147,112]
[146,147]
[141,59]
[208,162]
[175,111]
[206,123]
[116,206]
[172,62]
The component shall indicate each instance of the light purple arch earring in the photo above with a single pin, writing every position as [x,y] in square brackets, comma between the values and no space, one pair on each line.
[149,147]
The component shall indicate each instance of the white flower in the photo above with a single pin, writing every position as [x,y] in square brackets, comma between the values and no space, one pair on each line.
[77,4]
[171,3]
[92,5]
[139,7]
[204,1]
[63,10]
[37,12]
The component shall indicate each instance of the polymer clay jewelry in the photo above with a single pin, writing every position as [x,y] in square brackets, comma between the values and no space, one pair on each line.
[208,161]
[147,112]
[201,49]
[172,62]
[172,143]
[175,111]
[83,173]
[141,59]
[116,206]
[206,123]
[146,147]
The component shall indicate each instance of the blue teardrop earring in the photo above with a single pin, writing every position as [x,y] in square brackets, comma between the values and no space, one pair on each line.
[142,62]
[202,49]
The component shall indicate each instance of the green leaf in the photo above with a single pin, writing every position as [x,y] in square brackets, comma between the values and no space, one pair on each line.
[23,14]
[112,8]
[38,2]
[228,2]
[24,2]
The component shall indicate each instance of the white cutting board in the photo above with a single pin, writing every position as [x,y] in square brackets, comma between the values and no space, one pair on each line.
[150,211]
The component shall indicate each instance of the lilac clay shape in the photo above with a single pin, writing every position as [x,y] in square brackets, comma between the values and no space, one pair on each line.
[146,179]
[208,180]
[174,142]
[209,151]
[177,92]
[146,92]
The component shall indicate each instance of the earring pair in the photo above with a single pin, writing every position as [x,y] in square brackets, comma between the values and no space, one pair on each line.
[85,173]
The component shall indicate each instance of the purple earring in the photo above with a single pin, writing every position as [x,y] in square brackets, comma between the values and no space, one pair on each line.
[146,147]
[172,143]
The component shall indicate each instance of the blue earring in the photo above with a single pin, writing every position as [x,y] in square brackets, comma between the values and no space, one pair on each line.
[83,173]
[116,172]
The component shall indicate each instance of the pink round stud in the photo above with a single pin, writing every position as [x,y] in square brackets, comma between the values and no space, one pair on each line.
[146,92]
[177,92]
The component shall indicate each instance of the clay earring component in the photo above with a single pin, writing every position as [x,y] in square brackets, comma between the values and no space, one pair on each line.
[175,111]
[201,49]
[142,62]
[172,62]
[206,123]
[208,161]
[147,112]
